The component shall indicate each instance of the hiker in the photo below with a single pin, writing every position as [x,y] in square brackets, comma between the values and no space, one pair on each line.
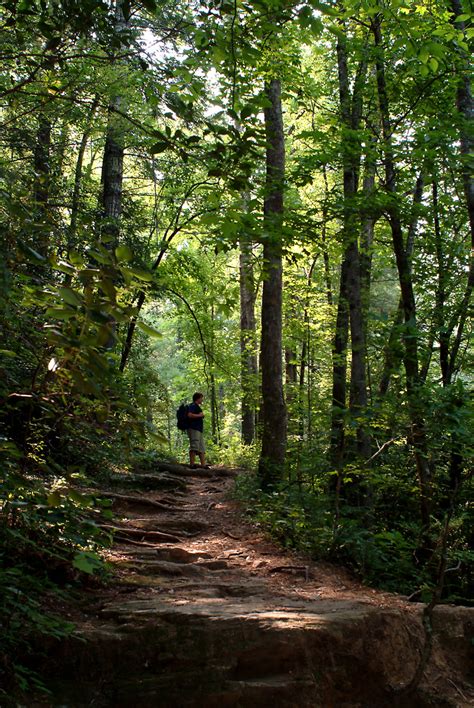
[195,432]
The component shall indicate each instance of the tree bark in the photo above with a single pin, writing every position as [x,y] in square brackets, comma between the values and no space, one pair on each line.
[274,417]
[112,162]
[112,178]
[350,310]
[465,106]
[410,332]
[327,269]
[76,194]
[41,187]
[247,342]
[393,351]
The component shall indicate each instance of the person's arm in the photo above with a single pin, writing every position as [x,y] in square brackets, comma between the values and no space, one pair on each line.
[191,414]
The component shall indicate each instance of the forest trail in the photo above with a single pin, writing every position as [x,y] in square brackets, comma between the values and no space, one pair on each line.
[206,611]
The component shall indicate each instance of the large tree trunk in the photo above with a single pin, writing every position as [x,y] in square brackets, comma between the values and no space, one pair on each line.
[112,178]
[465,106]
[350,311]
[248,352]
[410,333]
[274,418]
[112,163]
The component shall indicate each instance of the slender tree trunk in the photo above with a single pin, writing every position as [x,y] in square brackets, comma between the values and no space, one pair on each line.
[76,194]
[291,372]
[410,334]
[366,243]
[438,329]
[214,409]
[272,459]
[42,167]
[339,372]
[305,348]
[248,351]
[327,269]
[393,351]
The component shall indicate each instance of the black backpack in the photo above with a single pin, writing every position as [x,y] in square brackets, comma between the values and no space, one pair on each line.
[182,420]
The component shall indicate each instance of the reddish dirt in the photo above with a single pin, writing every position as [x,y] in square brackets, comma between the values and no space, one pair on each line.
[248,551]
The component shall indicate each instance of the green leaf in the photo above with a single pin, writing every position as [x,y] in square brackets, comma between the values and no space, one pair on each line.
[160,146]
[31,254]
[100,257]
[107,287]
[246,111]
[142,274]
[54,499]
[150,5]
[424,55]
[86,562]
[60,313]
[81,499]
[63,267]
[70,296]
[7,352]
[151,331]
[124,253]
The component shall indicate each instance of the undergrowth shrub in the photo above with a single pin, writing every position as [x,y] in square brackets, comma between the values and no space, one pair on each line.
[379,541]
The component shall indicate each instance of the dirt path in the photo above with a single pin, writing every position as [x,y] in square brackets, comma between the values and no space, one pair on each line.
[219,550]
[206,611]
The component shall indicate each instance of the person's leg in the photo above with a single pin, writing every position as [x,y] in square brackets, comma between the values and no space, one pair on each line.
[202,450]
[192,451]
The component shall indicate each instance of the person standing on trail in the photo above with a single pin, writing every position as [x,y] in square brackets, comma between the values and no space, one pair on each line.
[195,432]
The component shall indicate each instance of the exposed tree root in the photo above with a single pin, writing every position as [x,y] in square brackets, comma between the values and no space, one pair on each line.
[155,535]
[231,535]
[142,501]
[291,569]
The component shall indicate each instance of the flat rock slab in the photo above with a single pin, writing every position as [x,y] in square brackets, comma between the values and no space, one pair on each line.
[302,614]
[243,652]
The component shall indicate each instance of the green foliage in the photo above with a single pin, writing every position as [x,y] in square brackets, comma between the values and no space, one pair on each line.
[380,542]
[24,620]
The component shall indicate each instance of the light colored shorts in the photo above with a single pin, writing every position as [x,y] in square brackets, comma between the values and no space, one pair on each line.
[196,440]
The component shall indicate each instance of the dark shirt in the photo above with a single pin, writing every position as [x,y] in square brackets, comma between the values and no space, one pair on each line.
[195,423]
